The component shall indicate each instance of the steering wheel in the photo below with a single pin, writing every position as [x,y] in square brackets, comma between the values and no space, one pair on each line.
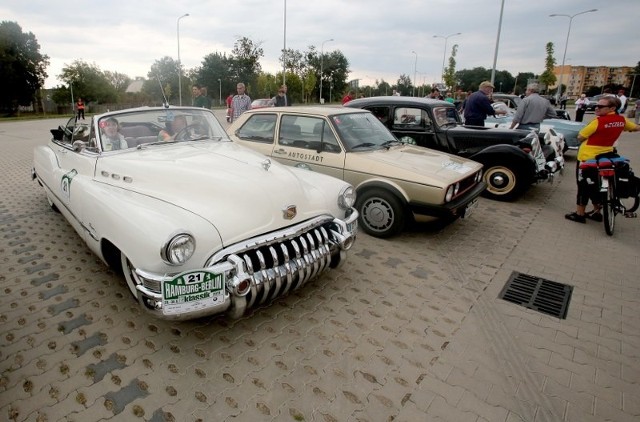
[188,132]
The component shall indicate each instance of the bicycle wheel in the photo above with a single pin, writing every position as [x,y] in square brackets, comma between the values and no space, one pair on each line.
[608,209]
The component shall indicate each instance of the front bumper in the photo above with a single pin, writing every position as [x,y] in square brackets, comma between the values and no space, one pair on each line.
[251,272]
[455,208]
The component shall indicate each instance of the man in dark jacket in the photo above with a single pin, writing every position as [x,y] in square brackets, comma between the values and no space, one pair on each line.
[478,106]
[282,99]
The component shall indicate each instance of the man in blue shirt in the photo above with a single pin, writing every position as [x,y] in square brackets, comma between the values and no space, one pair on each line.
[478,106]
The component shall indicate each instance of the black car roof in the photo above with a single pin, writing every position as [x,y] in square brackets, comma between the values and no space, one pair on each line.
[397,100]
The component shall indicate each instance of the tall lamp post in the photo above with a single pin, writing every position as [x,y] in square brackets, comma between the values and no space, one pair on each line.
[444,56]
[220,91]
[559,93]
[415,73]
[179,63]
[284,48]
[321,68]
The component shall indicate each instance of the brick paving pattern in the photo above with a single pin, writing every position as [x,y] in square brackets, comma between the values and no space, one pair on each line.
[409,329]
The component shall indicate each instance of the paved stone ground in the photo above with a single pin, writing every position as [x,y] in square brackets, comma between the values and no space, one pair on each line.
[410,329]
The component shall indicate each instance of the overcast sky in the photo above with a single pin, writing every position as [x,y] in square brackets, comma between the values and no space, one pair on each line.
[376,36]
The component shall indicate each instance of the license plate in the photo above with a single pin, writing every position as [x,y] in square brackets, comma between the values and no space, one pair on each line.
[192,291]
[468,210]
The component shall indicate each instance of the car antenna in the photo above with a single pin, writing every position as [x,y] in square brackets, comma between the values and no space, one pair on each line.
[166,103]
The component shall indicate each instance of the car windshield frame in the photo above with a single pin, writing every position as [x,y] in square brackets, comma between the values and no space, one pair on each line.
[144,127]
[362,131]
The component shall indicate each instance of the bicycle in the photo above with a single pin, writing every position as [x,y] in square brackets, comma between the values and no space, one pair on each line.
[617,187]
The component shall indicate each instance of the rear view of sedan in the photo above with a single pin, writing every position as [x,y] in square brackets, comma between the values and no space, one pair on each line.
[395,182]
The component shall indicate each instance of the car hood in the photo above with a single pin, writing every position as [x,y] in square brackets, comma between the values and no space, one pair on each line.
[240,192]
[413,163]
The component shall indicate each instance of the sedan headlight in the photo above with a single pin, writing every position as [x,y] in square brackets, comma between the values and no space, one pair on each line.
[347,198]
[179,249]
[449,195]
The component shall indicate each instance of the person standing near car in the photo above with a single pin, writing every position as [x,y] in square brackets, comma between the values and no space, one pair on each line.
[350,96]
[533,110]
[581,107]
[240,103]
[623,101]
[80,109]
[282,99]
[478,106]
[598,137]
[198,98]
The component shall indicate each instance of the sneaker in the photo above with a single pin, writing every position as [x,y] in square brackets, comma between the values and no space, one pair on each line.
[595,216]
[575,217]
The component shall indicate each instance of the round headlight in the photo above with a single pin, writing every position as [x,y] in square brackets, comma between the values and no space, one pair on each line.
[179,249]
[449,195]
[347,198]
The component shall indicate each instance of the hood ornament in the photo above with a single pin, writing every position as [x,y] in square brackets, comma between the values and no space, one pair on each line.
[266,164]
[290,212]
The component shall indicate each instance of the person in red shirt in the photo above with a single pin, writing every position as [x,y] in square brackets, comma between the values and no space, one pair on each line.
[229,100]
[597,138]
[350,96]
[80,109]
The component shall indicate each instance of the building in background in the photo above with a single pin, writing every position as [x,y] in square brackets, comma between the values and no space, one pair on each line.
[578,79]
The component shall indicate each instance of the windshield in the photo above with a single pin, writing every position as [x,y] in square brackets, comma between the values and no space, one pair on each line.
[132,129]
[362,131]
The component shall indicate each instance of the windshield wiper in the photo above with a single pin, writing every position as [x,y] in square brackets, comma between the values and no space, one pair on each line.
[389,144]
[364,145]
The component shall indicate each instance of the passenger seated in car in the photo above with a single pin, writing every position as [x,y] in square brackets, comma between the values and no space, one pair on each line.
[112,139]
[172,128]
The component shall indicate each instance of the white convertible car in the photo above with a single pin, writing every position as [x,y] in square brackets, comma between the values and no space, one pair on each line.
[197,224]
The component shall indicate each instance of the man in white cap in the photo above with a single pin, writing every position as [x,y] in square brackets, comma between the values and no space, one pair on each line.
[478,106]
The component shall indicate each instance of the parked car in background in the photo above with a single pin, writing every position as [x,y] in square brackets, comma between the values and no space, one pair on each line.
[395,182]
[198,225]
[262,102]
[567,129]
[512,159]
[513,101]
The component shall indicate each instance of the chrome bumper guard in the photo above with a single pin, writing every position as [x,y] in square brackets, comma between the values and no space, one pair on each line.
[262,268]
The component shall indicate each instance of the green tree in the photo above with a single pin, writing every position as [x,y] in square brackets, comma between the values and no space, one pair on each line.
[404,85]
[215,66]
[470,78]
[520,83]
[450,72]
[89,82]
[547,77]
[119,81]
[245,61]
[163,77]
[22,66]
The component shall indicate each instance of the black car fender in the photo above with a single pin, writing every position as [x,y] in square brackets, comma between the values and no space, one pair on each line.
[512,154]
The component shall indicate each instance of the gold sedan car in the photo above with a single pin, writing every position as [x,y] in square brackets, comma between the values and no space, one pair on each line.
[395,182]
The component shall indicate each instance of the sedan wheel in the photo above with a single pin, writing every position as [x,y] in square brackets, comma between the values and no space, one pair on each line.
[381,214]
[502,182]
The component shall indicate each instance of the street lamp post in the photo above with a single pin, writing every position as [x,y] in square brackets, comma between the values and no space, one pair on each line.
[284,48]
[220,91]
[444,56]
[415,73]
[321,68]
[559,93]
[179,63]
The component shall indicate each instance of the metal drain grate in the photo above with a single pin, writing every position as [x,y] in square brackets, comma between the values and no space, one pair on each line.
[539,294]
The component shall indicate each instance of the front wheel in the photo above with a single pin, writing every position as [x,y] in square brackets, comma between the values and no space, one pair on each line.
[608,209]
[503,181]
[381,213]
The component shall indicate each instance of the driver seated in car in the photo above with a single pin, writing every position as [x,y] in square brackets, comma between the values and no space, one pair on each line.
[112,139]
[172,128]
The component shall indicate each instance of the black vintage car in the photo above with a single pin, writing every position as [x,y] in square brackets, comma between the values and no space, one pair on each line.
[512,159]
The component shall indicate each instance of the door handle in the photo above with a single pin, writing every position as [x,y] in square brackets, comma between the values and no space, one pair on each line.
[279,151]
